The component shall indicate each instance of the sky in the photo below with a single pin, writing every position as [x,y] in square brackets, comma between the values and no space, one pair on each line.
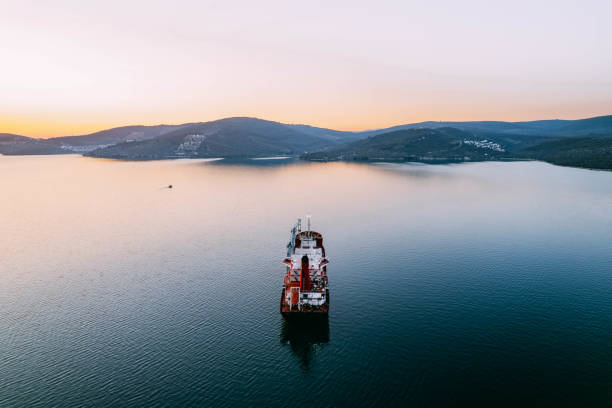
[74,67]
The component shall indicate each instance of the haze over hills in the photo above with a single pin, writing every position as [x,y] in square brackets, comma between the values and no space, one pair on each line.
[251,137]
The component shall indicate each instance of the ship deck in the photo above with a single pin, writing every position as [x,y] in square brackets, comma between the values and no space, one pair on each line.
[286,311]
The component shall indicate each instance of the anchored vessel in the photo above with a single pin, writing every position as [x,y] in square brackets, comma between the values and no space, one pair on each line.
[305,287]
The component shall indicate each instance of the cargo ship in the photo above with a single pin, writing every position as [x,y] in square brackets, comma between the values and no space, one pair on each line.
[305,286]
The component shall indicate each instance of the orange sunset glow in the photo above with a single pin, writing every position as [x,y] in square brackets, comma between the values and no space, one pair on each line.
[73,70]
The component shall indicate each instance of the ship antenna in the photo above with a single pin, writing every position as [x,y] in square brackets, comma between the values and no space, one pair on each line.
[308,218]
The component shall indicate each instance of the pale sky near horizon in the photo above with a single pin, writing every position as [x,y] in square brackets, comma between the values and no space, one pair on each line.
[74,67]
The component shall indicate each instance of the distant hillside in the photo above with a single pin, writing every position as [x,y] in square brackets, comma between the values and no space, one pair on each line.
[232,137]
[8,137]
[443,144]
[454,145]
[601,125]
[336,136]
[20,145]
[240,137]
[593,152]
[92,141]
[544,128]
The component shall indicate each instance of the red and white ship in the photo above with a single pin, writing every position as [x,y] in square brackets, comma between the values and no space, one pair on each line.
[305,287]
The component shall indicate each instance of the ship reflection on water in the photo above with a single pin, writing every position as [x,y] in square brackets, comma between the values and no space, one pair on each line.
[305,336]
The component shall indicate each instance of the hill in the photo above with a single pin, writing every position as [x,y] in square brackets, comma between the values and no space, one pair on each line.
[593,152]
[21,145]
[17,145]
[92,141]
[422,144]
[336,136]
[454,145]
[544,128]
[232,137]
[240,137]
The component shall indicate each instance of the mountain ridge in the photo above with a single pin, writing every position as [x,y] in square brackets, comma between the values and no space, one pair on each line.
[247,137]
[448,144]
[229,137]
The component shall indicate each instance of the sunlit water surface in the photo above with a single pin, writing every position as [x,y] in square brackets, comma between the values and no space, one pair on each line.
[450,284]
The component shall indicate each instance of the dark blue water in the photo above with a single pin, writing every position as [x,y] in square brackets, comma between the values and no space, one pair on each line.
[476,284]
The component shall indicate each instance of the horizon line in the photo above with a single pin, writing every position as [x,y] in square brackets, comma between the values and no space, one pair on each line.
[302,124]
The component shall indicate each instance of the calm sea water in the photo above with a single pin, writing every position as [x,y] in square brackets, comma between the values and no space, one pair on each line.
[452,284]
